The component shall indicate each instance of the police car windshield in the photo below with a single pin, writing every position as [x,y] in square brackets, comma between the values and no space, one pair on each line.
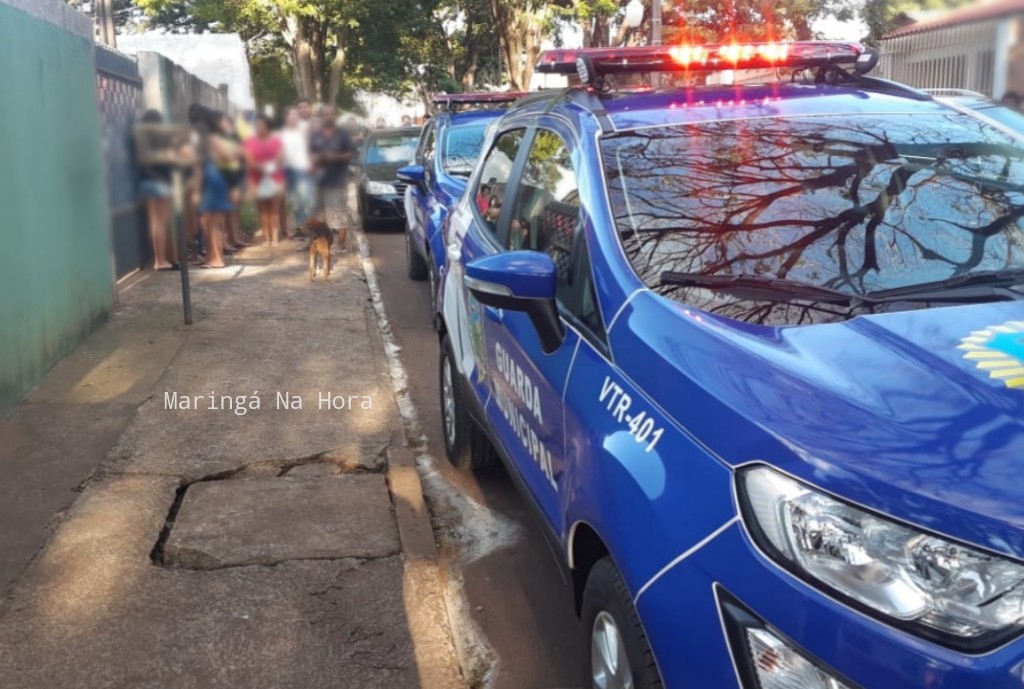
[1000,113]
[851,203]
[462,147]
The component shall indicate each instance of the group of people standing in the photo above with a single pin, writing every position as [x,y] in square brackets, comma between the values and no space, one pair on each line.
[305,161]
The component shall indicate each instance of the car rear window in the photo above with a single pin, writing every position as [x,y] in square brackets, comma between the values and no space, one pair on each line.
[461,148]
[853,203]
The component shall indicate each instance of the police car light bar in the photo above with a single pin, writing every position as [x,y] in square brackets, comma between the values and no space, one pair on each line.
[448,99]
[593,62]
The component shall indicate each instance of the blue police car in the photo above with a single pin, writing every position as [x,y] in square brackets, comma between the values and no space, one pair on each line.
[447,152]
[755,352]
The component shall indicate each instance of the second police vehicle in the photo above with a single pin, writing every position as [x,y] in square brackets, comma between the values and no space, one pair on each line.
[755,352]
[448,149]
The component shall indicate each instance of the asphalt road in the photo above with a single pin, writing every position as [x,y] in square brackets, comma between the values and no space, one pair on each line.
[517,595]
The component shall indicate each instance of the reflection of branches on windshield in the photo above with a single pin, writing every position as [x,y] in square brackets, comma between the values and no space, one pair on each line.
[766,312]
[836,202]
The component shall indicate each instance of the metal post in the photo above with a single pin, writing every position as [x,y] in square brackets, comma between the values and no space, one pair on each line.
[179,235]
[105,22]
[655,22]
[656,37]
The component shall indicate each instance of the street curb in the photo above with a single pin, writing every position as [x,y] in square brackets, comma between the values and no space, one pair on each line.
[414,528]
[441,656]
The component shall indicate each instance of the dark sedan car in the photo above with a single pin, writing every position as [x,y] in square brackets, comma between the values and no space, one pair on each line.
[381,194]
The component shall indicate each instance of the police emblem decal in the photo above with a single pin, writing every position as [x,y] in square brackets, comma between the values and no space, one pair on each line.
[998,351]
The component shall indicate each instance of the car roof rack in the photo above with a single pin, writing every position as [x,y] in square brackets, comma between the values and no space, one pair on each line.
[450,101]
[954,93]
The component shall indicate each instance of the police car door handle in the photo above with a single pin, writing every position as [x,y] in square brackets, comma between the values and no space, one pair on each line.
[494,314]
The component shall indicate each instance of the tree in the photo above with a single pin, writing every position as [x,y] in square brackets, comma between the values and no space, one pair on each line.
[754,20]
[521,25]
[592,18]
[323,41]
[472,41]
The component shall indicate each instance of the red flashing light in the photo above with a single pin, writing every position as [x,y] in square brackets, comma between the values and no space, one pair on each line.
[702,57]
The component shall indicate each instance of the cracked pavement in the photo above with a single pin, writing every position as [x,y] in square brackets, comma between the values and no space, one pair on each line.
[219,549]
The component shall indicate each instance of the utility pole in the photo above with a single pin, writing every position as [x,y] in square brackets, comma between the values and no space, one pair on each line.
[105,22]
[655,22]
[656,37]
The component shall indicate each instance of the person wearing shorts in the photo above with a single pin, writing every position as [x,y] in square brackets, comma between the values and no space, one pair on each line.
[332,150]
[232,169]
[155,188]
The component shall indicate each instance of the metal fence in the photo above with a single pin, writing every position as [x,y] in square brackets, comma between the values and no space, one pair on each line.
[968,56]
[120,99]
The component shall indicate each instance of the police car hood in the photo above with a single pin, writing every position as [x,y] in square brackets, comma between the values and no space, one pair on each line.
[918,414]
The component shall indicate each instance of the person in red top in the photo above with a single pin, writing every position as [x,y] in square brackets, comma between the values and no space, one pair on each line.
[265,154]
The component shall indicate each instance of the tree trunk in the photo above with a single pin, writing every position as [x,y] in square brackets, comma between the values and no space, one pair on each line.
[802,29]
[294,34]
[317,55]
[337,68]
[519,38]
[468,79]
[600,37]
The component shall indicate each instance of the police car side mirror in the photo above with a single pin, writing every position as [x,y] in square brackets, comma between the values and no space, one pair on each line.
[519,281]
[412,174]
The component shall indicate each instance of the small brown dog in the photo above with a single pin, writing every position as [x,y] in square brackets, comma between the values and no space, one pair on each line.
[320,240]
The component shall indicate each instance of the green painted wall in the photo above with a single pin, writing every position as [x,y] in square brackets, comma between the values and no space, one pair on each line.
[55,264]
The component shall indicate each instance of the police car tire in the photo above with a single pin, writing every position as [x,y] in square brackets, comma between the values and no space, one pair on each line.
[471,449]
[606,591]
[415,265]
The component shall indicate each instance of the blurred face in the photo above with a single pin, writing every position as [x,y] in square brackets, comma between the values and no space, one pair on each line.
[292,118]
[305,110]
[225,126]
[329,115]
[261,128]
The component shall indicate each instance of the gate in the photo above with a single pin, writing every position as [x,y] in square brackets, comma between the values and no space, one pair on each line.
[962,56]
[120,99]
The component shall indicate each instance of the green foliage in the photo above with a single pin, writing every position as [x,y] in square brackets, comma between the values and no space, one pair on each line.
[272,80]
[328,49]
[757,20]
[248,217]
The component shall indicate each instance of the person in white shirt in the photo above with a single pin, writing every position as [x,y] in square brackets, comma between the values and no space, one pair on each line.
[298,167]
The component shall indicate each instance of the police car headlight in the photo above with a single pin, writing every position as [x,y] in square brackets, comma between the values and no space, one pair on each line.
[957,594]
[380,188]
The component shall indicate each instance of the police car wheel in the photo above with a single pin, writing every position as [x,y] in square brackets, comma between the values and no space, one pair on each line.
[416,267]
[464,444]
[616,654]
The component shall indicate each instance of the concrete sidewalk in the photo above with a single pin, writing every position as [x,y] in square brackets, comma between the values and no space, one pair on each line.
[226,505]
